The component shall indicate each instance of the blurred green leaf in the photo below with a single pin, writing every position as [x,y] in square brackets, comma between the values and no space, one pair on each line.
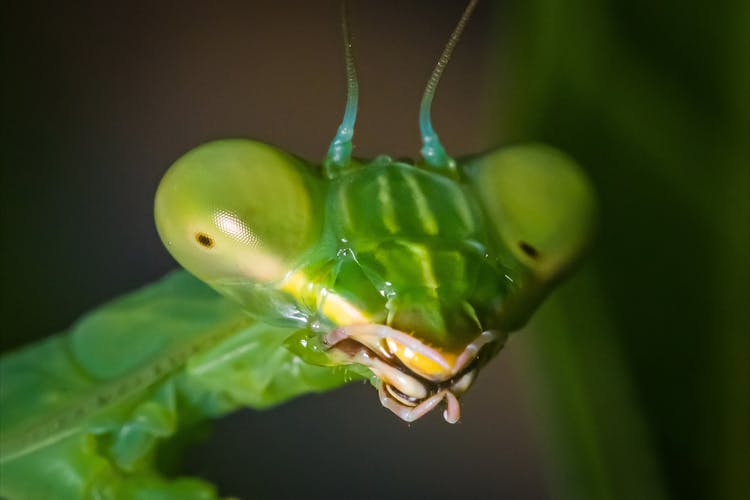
[642,361]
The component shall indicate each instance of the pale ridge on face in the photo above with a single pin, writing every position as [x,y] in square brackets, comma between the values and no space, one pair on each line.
[400,199]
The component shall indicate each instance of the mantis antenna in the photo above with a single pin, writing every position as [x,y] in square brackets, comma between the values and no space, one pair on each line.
[432,151]
[340,151]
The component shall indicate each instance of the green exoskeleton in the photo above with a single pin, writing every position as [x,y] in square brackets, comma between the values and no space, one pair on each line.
[408,274]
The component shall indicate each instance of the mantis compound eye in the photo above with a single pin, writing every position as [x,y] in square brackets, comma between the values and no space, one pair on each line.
[237,210]
[538,203]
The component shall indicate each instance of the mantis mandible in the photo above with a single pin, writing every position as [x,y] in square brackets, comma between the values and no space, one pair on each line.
[409,275]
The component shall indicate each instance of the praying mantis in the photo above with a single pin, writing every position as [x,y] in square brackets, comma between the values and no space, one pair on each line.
[299,278]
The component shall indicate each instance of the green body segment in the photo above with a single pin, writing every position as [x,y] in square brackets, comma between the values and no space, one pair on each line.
[81,414]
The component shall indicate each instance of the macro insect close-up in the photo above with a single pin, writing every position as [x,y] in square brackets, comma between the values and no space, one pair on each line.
[360,281]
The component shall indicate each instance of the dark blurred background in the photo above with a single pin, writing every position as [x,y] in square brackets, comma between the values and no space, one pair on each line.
[634,380]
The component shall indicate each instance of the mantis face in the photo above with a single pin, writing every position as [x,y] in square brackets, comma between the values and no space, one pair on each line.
[415,272]
[404,271]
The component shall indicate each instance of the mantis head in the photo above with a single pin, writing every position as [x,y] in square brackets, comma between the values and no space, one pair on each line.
[416,273]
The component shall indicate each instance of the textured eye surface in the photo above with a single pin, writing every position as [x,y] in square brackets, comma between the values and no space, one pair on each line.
[236,209]
[538,203]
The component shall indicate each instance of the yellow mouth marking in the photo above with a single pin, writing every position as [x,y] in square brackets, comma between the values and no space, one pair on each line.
[414,377]
[432,367]
[425,361]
